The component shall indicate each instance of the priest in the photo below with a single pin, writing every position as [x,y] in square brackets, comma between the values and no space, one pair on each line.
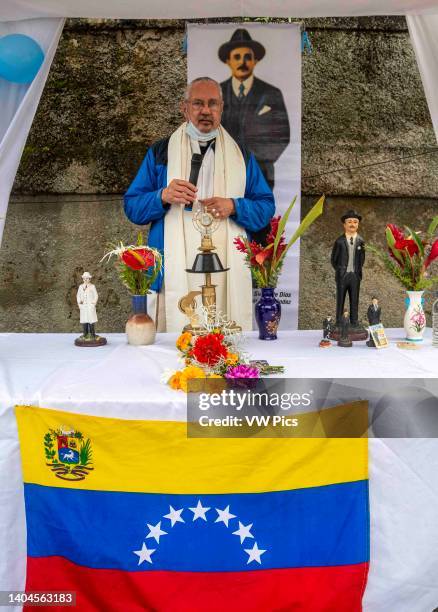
[199,165]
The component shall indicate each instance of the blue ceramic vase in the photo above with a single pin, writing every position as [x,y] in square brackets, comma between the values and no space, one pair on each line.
[267,314]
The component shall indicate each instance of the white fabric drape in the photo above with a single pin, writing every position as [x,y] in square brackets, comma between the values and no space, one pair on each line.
[18,103]
[424,37]
[174,9]
[48,370]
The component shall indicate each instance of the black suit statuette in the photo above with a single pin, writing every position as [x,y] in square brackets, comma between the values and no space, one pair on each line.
[348,257]
[374,313]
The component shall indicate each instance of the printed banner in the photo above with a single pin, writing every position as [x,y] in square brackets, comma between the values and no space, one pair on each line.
[259,69]
[133,515]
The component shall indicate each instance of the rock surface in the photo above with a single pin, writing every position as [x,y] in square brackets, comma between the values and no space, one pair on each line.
[115,87]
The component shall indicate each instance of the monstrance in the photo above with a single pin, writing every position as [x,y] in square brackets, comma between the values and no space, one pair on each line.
[206,262]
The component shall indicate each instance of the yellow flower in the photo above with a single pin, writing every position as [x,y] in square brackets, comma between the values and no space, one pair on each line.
[189,372]
[214,376]
[184,341]
[232,359]
[175,381]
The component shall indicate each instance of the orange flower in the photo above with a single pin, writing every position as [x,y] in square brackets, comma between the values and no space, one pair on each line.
[175,381]
[188,373]
[184,341]
[232,358]
[263,255]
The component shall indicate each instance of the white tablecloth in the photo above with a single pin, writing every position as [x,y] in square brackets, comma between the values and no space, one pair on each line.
[124,381]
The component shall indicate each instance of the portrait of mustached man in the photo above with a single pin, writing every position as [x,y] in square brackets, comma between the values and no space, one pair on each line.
[254,111]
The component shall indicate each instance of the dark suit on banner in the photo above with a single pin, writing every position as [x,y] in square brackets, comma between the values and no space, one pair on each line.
[348,281]
[259,121]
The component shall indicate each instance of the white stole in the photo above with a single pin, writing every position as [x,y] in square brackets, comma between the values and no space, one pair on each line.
[229,182]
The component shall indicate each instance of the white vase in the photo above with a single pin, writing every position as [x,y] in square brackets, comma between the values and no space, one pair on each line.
[140,328]
[415,319]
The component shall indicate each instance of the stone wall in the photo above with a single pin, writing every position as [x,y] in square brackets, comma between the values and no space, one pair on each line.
[115,87]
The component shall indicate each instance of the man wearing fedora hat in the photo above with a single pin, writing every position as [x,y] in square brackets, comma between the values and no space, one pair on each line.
[348,257]
[254,111]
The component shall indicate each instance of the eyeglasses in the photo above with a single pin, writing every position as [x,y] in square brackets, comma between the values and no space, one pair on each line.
[213,105]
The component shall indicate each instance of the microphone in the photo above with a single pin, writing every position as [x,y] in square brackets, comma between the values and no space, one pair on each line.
[194,172]
[195,168]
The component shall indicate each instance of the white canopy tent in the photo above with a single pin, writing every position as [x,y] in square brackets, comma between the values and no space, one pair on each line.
[174,9]
[411,587]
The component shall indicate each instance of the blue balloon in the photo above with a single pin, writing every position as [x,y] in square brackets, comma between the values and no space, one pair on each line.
[20,58]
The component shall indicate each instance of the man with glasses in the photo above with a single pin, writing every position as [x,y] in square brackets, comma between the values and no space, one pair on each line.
[200,164]
[254,111]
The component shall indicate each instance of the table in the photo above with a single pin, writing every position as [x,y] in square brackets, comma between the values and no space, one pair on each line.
[125,382]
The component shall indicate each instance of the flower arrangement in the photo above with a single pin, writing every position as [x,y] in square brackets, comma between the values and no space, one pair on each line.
[138,265]
[215,354]
[409,255]
[212,355]
[266,262]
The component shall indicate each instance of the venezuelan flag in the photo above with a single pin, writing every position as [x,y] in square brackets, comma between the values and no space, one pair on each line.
[132,515]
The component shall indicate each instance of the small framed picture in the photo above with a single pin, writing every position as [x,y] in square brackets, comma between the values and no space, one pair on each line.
[378,335]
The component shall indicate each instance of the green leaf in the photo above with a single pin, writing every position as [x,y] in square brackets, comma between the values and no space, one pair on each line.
[282,225]
[85,453]
[391,244]
[311,216]
[417,240]
[432,227]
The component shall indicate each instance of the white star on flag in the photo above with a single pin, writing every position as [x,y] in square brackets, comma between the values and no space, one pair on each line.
[254,553]
[243,532]
[174,516]
[144,554]
[223,516]
[199,511]
[156,532]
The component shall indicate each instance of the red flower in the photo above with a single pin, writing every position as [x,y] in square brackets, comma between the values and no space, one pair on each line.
[138,259]
[433,254]
[264,254]
[209,349]
[395,231]
[275,221]
[255,249]
[240,245]
[405,244]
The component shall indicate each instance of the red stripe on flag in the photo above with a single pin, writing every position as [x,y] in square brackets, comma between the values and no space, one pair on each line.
[312,589]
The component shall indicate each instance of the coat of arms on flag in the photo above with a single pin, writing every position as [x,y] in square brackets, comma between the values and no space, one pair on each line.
[67,453]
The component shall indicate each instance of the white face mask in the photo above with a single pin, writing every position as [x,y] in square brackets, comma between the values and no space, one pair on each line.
[193,132]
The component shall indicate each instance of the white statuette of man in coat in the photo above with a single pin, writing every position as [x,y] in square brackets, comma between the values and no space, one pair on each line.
[87,299]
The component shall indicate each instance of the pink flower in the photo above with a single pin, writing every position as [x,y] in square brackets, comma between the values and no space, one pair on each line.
[419,319]
[242,371]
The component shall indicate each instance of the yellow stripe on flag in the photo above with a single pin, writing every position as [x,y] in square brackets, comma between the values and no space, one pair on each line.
[157,457]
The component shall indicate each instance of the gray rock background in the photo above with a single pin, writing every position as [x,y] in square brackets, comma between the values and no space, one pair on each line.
[114,88]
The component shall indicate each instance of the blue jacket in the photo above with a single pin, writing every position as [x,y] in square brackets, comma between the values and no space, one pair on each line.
[143,199]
